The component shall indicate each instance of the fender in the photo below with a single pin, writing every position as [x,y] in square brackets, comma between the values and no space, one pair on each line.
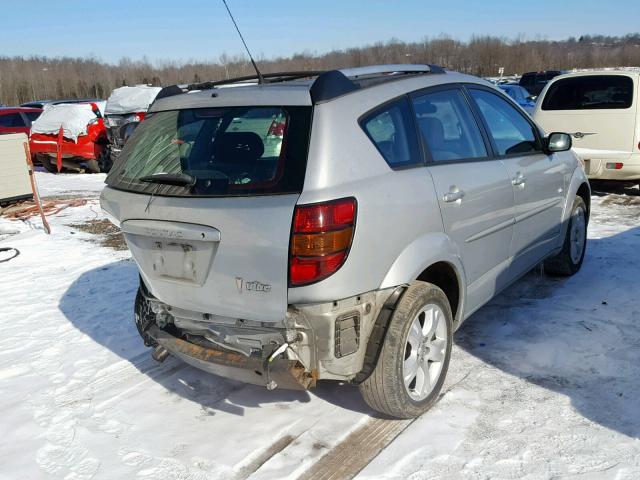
[578,178]
[419,255]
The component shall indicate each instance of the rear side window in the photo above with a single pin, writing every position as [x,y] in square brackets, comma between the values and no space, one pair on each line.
[511,132]
[392,131]
[448,127]
[590,92]
[229,151]
[11,120]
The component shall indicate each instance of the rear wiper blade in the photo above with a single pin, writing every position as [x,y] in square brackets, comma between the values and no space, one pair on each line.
[179,179]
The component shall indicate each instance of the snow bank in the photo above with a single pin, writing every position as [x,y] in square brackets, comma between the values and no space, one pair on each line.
[72,117]
[131,99]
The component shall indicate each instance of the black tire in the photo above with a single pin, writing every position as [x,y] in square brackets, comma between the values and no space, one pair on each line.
[49,165]
[144,318]
[92,166]
[564,264]
[105,162]
[385,390]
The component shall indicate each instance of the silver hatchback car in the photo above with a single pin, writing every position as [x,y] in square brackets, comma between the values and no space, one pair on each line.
[338,225]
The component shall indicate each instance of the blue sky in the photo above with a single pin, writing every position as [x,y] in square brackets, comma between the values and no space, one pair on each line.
[201,30]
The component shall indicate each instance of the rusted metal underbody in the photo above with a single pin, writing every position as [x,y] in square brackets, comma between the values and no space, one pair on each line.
[286,373]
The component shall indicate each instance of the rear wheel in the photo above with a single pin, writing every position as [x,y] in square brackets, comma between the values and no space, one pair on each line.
[570,258]
[414,360]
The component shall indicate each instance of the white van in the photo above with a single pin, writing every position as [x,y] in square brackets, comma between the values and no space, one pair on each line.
[600,110]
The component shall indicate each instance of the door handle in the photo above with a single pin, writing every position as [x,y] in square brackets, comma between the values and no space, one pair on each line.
[519,179]
[453,196]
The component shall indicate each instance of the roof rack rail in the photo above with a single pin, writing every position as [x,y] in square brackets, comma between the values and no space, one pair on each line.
[389,69]
[336,83]
[328,84]
[269,77]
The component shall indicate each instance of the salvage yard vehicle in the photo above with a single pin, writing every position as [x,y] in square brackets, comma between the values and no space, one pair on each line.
[338,225]
[17,119]
[73,135]
[126,108]
[520,96]
[600,109]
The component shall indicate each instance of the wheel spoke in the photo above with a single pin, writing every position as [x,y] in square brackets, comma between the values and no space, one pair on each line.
[431,323]
[436,353]
[415,335]
[423,383]
[410,369]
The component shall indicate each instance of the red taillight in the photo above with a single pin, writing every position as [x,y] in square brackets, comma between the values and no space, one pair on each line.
[321,238]
[614,166]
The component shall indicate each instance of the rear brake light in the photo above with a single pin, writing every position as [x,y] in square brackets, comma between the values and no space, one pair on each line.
[321,238]
[614,166]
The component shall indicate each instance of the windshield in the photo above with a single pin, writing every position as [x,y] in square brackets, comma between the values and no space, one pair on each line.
[228,151]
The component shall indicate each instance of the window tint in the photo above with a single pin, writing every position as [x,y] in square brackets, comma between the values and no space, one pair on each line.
[391,130]
[590,92]
[11,120]
[229,151]
[510,131]
[448,127]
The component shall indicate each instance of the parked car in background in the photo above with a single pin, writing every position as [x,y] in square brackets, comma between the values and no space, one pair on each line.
[520,95]
[41,103]
[74,133]
[600,109]
[17,119]
[534,82]
[126,108]
[339,226]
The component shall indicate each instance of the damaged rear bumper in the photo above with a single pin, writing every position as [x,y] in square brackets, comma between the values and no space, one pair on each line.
[323,341]
[284,373]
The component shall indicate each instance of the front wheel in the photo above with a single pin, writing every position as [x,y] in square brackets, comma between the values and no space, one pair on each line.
[570,258]
[413,363]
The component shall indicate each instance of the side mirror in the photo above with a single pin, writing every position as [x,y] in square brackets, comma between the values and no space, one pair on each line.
[558,142]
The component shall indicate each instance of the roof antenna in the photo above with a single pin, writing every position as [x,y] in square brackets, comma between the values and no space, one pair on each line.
[255,67]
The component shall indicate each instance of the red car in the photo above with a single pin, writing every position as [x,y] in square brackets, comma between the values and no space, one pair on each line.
[17,119]
[72,136]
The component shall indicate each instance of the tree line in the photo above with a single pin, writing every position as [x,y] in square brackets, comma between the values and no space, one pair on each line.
[24,79]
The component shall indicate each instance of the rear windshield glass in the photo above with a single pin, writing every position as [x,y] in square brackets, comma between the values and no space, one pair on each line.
[225,151]
[590,92]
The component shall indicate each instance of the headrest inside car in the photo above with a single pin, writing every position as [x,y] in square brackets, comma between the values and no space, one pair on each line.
[241,147]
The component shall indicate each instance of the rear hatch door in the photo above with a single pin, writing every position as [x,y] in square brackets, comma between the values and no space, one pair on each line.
[216,240]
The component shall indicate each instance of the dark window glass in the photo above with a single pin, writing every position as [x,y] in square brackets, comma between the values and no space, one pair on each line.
[32,116]
[392,131]
[511,132]
[528,79]
[590,92]
[11,120]
[229,151]
[448,127]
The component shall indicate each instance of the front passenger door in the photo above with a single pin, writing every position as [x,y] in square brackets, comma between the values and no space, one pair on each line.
[537,178]
[474,191]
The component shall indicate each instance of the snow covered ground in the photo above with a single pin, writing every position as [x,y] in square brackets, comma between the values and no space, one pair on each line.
[543,383]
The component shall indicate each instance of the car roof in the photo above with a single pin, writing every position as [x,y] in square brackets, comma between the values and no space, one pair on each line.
[632,72]
[64,100]
[19,109]
[306,88]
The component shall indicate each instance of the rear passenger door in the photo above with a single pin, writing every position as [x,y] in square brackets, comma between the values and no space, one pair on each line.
[537,178]
[474,191]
